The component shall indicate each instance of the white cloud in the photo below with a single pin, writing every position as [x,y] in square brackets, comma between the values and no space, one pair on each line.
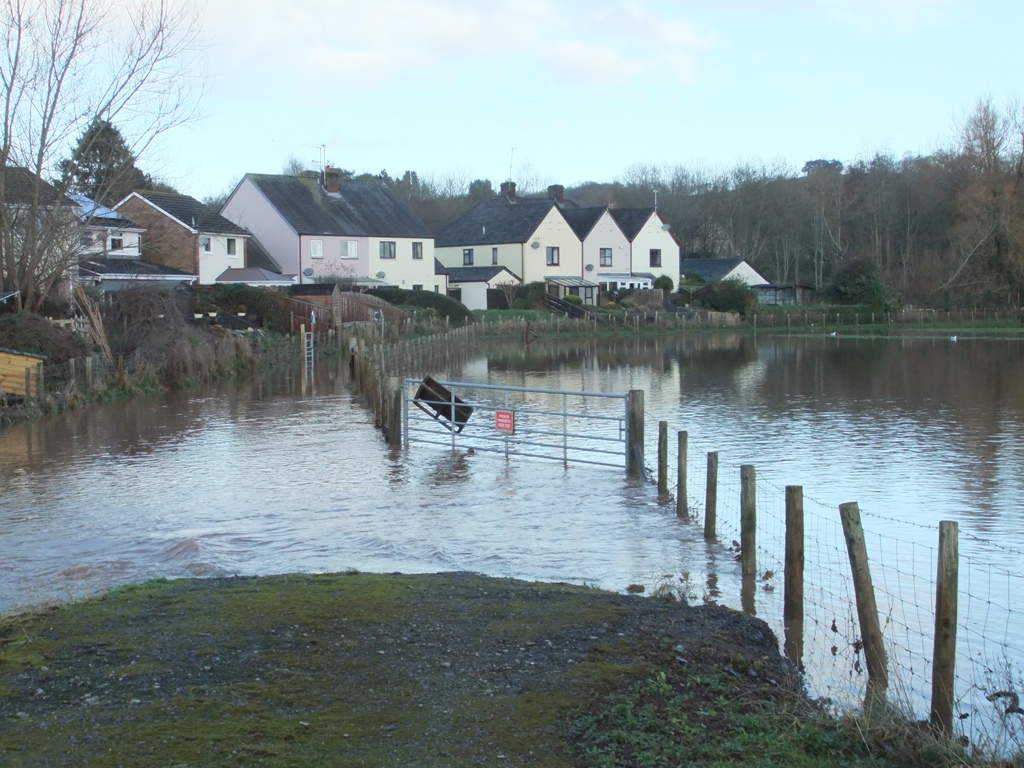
[357,45]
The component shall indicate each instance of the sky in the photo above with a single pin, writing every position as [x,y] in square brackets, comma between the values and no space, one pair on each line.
[568,91]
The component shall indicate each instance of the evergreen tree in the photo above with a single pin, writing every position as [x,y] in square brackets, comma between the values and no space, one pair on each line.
[102,166]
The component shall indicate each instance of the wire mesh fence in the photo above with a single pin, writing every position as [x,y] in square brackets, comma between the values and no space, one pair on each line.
[903,562]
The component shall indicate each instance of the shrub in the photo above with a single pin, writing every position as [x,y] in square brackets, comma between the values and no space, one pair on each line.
[573,299]
[728,296]
[238,299]
[860,282]
[535,293]
[445,306]
[664,283]
[28,332]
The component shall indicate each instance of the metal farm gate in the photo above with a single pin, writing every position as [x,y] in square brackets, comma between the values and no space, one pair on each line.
[554,424]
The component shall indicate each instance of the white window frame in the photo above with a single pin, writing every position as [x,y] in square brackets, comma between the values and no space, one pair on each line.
[553,256]
[316,249]
[349,249]
[388,249]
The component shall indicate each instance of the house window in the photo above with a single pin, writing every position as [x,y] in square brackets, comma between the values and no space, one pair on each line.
[467,257]
[416,287]
[655,257]
[206,244]
[116,242]
[494,255]
[232,251]
[316,249]
[349,249]
[606,257]
[552,256]
[387,249]
[417,253]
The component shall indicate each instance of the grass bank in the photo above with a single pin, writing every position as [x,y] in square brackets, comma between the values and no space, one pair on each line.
[391,670]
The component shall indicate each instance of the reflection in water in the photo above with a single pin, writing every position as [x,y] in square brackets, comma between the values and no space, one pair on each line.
[263,478]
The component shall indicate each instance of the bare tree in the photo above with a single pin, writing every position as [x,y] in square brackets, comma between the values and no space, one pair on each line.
[825,188]
[988,239]
[66,64]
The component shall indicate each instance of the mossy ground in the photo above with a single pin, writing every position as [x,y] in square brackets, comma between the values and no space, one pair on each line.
[391,670]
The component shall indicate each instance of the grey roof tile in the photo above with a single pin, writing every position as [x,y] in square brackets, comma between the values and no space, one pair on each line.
[582,220]
[496,220]
[192,213]
[631,220]
[20,185]
[101,266]
[712,270]
[360,209]
[477,274]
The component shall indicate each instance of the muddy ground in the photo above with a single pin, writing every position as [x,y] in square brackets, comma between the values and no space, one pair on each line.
[348,669]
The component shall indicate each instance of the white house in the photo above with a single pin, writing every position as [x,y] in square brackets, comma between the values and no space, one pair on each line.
[606,249]
[106,232]
[470,284]
[528,236]
[326,228]
[654,252]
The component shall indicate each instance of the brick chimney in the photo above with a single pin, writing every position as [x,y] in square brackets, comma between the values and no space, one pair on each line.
[331,178]
[508,189]
[557,193]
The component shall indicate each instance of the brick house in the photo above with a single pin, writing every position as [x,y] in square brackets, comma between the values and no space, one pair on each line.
[184,234]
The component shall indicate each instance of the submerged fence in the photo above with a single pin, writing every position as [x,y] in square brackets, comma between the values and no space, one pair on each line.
[792,546]
[836,635]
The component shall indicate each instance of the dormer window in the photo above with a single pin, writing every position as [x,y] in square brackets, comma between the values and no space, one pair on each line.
[116,242]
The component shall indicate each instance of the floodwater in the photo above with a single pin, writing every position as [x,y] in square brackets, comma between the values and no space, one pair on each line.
[262,478]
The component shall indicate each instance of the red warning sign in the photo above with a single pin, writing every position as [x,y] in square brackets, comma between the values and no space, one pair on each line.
[505,421]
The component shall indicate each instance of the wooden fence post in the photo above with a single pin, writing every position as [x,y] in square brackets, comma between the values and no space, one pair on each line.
[711,497]
[635,433]
[395,419]
[944,653]
[793,601]
[88,371]
[748,520]
[867,610]
[662,458]
[682,506]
